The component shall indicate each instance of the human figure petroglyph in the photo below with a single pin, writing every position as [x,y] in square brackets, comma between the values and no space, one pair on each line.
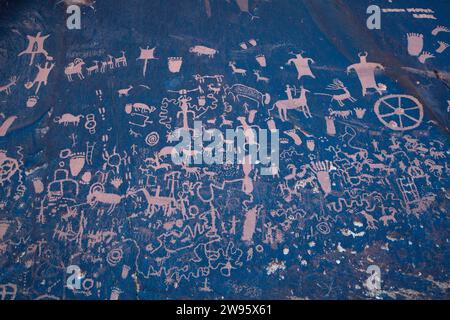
[395,143]
[65,233]
[366,74]
[302,65]
[36,46]
[300,103]
[41,76]
[183,104]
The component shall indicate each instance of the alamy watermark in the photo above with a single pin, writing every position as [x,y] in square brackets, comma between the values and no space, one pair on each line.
[73,281]
[374,20]
[373,282]
[74,20]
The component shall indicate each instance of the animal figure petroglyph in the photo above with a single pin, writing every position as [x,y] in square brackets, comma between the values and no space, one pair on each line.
[339,98]
[68,118]
[75,67]
[120,61]
[125,91]
[93,68]
[202,50]
[242,91]
[7,87]
[237,70]
[300,104]
[344,114]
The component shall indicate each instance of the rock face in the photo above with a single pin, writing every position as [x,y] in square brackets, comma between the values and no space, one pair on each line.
[340,175]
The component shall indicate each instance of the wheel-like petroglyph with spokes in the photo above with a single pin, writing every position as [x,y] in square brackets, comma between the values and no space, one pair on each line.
[399,112]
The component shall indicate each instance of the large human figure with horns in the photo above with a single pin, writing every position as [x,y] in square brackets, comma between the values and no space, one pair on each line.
[366,74]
